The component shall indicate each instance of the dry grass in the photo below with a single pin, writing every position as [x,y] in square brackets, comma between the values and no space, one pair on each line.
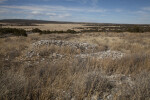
[52,27]
[71,78]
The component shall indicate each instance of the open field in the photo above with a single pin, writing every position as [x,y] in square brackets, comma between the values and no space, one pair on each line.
[52,27]
[89,65]
[81,27]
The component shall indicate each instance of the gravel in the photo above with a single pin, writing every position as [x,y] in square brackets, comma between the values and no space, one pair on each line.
[103,55]
[75,45]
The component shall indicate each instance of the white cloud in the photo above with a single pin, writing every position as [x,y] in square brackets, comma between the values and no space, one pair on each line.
[59,12]
[118,10]
[23,7]
[142,15]
[36,9]
[64,15]
[51,14]
[94,2]
[146,8]
[1,1]
[35,12]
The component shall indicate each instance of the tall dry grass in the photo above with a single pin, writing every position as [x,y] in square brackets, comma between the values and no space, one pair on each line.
[73,78]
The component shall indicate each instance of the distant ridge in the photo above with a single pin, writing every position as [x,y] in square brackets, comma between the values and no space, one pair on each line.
[33,21]
[22,21]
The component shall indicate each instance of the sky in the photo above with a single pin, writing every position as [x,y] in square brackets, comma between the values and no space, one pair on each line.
[100,11]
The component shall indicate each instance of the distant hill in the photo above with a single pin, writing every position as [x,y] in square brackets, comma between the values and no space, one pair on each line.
[30,21]
[33,22]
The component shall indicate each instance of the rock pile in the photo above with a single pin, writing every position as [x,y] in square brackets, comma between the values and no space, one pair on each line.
[77,45]
[103,55]
[117,80]
[82,46]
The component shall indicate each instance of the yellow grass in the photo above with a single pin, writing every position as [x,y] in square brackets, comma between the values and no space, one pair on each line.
[67,78]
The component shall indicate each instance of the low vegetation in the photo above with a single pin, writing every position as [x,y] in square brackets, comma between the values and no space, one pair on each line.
[117,28]
[6,32]
[53,72]
[36,30]
[12,31]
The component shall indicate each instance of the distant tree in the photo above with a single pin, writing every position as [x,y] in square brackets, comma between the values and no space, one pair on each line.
[36,30]
[71,31]
[13,31]
[135,29]
[0,25]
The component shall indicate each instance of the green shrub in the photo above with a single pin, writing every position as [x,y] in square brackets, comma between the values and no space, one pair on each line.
[71,31]
[36,30]
[50,32]
[135,29]
[13,31]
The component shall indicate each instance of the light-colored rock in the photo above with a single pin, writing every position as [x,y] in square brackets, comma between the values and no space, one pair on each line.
[103,55]
[75,45]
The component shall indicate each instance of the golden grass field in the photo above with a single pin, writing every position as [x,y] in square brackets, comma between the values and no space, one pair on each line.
[52,27]
[54,73]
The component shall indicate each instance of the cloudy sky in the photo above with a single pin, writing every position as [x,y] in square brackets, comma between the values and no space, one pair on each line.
[103,11]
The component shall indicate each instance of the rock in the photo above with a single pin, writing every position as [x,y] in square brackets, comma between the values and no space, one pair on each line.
[104,54]
[93,97]
[73,98]
[54,55]
[110,97]
[75,45]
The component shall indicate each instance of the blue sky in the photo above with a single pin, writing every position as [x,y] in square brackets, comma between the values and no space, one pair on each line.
[102,11]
